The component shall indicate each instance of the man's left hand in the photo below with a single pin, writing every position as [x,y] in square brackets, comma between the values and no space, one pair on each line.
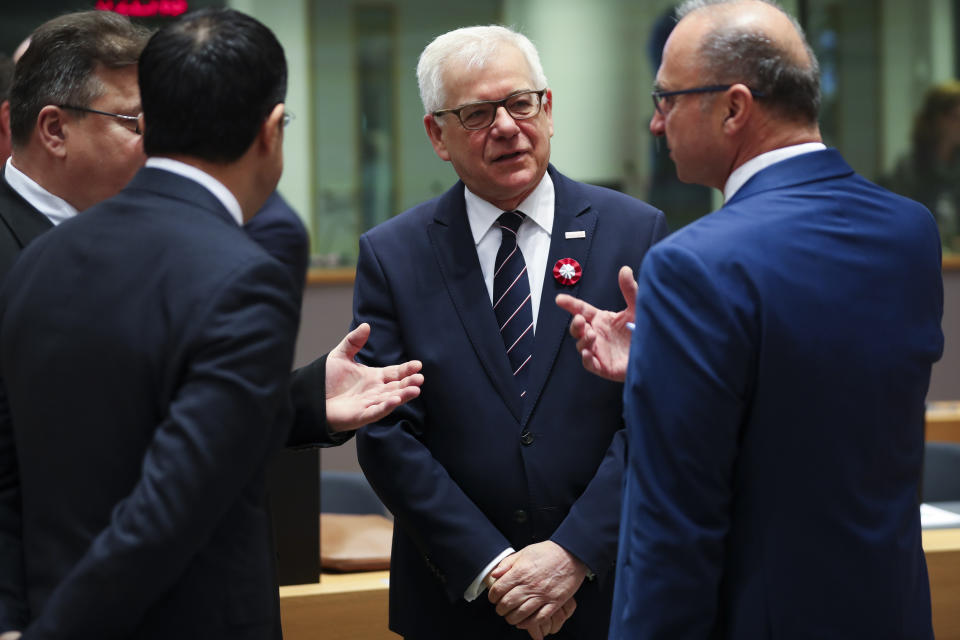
[358,394]
[535,583]
[603,337]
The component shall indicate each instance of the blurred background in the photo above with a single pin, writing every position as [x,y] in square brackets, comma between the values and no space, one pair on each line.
[357,154]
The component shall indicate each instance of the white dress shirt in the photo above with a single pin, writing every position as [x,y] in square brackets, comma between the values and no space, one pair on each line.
[56,209]
[754,165]
[205,180]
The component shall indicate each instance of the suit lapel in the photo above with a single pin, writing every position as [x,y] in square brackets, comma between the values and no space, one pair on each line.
[460,269]
[572,213]
[23,220]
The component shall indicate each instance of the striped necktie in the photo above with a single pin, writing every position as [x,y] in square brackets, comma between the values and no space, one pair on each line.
[511,299]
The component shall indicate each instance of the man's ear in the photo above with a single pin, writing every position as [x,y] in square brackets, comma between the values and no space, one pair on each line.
[52,130]
[271,131]
[739,104]
[5,118]
[435,133]
[548,109]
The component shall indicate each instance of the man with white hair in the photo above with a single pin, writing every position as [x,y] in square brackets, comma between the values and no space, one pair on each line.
[777,373]
[508,470]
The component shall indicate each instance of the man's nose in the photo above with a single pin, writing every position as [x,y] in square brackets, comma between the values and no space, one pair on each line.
[657,124]
[503,122]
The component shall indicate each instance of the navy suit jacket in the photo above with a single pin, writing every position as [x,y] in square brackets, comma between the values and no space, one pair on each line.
[278,229]
[20,223]
[454,466]
[775,415]
[144,360]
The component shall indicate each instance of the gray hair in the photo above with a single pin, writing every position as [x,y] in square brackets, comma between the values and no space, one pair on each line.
[473,47]
[731,54]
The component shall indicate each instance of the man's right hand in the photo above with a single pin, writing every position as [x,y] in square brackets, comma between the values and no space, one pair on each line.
[603,337]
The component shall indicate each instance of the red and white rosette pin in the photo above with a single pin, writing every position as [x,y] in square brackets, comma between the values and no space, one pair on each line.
[567,271]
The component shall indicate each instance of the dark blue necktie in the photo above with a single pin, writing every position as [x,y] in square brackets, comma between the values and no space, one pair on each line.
[511,299]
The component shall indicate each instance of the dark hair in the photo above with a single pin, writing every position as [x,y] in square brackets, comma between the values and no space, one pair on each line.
[207,82]
[6,76]
[732,54]
[60,64]
[939,101]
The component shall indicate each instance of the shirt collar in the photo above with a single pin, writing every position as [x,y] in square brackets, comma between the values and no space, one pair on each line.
[755,165]
[214,186]
[55,208]
[538,206]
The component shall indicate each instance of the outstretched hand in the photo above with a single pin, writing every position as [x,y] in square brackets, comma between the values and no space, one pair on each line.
[358,394]
[603,337]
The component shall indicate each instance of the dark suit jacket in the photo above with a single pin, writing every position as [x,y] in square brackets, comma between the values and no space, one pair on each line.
[454,466]
[144,355]
[775,406]
[278,229]
[19,224]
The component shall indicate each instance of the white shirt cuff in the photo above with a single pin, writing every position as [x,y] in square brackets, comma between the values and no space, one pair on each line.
[476,587]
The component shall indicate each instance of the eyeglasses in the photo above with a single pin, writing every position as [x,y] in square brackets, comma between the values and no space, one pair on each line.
[128,120]
[660,96]
[288,117]
[521,105]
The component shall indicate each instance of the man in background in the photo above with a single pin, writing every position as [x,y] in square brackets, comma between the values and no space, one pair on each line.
[777,374]
[73,114]
[507,470]
[145,348]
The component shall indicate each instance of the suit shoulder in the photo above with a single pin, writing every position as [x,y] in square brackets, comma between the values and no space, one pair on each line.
[609,201]
[414,218]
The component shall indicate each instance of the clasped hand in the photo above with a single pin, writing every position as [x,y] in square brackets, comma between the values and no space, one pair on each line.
[534,587]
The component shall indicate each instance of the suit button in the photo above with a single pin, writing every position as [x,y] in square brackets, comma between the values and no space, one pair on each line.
[526,438]
[519,516]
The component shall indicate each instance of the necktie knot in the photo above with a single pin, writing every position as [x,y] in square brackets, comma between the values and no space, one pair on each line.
[511,220]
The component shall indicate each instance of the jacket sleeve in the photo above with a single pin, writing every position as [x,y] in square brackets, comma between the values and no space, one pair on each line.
[307,391]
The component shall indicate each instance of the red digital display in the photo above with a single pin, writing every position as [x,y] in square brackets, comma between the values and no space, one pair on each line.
[144,8]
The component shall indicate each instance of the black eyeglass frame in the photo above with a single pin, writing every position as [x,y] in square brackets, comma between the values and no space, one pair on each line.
[658,96]
[496,107]
[135,120]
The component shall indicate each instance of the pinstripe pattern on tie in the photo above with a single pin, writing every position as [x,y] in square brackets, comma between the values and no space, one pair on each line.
[511,299]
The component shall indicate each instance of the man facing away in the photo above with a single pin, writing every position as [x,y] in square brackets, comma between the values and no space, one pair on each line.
[507,471]
[776,377]
[145,350]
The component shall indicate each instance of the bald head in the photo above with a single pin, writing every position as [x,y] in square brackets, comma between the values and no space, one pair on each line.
[755,43]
